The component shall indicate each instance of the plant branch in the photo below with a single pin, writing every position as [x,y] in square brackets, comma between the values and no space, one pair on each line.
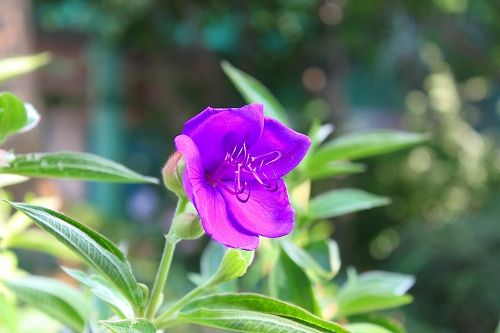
[165,262]
[166,317]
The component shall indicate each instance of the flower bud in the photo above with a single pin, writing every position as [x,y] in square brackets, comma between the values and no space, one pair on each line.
[172,174]
[187,226]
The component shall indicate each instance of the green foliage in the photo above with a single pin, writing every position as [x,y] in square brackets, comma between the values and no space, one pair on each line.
[287,274]
[333,169]
[254,92]
[54,298]
[366,144]
[245,321]
[93,248]
[367,328]
[340,202]
[130,326]
[73,165]
[103,290]
[373,291]
[233,265]
[309,264]
[10,315]
[248,306]
[15,117]
[40,241]
[298,269]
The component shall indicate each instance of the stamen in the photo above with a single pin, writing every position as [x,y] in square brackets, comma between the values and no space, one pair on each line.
[237,194]
[241,160]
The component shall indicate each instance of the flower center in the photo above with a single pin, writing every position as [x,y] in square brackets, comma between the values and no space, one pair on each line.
[240,161]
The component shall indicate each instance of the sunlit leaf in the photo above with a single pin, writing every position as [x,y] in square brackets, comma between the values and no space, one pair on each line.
[340,202]
[314,269]
[254,92]
[373,291]
[366,328]
[379,319]
[33,319]
[93,248]
[365,144]
[37,240]
[7,180]
[130,326]
[9,266]
[13,115]
[73,165]
[10,315]
[254,303]
[233,265]
[54,298]
[104,290]
[332,169]
[12,67]
[18,222]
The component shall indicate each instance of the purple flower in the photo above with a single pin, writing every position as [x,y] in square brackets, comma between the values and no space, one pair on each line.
[235,161]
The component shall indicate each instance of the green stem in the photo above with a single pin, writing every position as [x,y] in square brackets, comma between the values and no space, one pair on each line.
[166,317]
[165,262]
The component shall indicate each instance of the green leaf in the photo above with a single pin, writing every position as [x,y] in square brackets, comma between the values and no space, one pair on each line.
[340,202]
[388,323]
[233,265]
[33,320]
[93,248]
[104,290]
[365,144]
[285,276]
[10,315]
[318,133]
[310,265]
[209,263]
[54,298]
[37,240]
[254,303]
[13,67]
[9,266]
[73,165]
[333,169]
[130,326]
[366,328]
[254,92]
[245,321]
[13,115]
[373,291]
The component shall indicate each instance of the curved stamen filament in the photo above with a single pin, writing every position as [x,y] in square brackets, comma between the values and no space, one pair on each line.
[267,158]
[237,194]
[242,161]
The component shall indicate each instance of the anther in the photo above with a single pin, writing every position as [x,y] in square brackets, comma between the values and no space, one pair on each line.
[242,162]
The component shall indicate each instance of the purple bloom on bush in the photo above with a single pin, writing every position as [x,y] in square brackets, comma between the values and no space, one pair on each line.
[235,160]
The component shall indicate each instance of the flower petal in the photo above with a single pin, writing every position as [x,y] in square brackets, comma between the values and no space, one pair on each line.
[266,213]
[217,131]
[209,202]
[292,145]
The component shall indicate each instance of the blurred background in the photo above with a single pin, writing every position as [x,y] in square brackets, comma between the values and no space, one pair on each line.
[126,75]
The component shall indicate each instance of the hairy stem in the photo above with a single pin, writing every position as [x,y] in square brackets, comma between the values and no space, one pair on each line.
[164,266]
